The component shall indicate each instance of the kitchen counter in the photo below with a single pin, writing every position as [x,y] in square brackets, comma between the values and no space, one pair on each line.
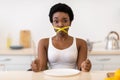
[24,51]
[29,75]
[103,59]
[104,51]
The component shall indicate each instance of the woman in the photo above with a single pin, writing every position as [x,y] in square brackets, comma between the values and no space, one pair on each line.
[61,50]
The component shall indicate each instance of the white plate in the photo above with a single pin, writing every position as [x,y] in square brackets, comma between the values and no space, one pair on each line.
[61,72]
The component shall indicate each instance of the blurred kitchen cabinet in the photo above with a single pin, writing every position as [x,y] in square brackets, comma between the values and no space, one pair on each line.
[105,61]
[16,59]
[16,62]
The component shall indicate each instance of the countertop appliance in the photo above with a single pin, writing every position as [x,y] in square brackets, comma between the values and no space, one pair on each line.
[112,40]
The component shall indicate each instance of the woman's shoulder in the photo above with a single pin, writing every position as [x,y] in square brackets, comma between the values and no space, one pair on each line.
[80,41]
[44,41]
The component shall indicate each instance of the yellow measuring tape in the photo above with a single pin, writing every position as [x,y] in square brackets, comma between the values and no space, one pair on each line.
[61,29]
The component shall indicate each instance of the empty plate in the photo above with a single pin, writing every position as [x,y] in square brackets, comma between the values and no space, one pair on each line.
[61,72]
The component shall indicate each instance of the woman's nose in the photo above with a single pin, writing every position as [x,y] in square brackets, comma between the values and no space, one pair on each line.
[60,24]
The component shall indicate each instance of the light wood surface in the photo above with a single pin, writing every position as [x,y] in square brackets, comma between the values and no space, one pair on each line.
[29,75]
[101,51]
[25,51]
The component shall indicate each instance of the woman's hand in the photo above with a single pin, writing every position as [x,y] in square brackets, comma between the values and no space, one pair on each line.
[86,65]
[35,65]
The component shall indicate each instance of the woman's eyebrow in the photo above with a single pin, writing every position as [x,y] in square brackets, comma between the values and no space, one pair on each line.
[62,18]
[65,18]
[55,17]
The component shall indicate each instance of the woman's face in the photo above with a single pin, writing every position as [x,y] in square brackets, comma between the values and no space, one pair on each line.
[60,20]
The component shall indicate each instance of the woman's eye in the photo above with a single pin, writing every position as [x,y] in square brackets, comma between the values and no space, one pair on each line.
[55,21]
[65,21]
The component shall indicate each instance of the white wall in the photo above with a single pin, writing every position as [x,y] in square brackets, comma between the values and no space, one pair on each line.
[94,19]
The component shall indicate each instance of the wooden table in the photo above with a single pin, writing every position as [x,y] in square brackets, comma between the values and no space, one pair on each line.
[29,75]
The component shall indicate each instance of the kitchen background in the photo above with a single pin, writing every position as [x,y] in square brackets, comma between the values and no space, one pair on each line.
[94,19]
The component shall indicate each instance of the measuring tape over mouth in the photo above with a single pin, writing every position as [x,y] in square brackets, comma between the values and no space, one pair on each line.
[61,29]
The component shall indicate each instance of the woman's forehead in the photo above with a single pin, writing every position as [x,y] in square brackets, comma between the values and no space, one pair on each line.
[62,15]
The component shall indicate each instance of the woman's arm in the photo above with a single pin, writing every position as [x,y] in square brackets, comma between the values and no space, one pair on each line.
[83,63]
[40,63]
[82,52]
[42,54]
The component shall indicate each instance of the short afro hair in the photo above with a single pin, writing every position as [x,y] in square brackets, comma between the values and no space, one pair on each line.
[61,7]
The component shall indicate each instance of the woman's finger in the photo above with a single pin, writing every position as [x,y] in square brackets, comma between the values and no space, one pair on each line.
[35,66]
[86,65]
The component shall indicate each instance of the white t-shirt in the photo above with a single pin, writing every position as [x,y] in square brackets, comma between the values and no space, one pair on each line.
[65,58]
